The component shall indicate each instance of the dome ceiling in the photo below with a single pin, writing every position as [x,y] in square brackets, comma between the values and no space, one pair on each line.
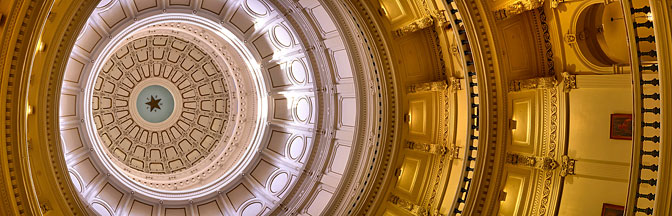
[164,107]
[208,108]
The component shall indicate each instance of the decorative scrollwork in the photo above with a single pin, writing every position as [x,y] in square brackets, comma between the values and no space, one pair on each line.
[569,81]
[541,163]
[534,83]
[567,166]
[428,86]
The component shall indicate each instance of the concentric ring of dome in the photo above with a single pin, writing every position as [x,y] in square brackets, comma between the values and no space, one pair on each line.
[201,146]
[293,108]
[197,124]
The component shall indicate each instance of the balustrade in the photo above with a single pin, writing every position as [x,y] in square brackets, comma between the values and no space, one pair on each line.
[647,108]
[472,92]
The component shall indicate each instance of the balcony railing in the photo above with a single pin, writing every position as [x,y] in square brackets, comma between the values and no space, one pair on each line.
[471,79]
[644,175]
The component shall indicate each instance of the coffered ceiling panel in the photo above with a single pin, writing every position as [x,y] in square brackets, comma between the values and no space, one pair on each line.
[245,102]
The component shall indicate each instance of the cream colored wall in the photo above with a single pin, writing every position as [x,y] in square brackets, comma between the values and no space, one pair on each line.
[602,166]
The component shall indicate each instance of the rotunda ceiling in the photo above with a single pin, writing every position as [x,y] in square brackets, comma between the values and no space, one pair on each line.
[212,108]
[163,110]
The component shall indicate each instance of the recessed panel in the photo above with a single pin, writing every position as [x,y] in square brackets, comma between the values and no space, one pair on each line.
[410,169]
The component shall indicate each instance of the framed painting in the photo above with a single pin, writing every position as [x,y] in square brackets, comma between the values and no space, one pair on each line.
[621,127]
[612,210]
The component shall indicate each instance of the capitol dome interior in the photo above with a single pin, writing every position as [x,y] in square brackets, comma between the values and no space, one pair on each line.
[336,107]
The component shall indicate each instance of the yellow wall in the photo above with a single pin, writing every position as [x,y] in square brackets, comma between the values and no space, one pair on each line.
[602,166]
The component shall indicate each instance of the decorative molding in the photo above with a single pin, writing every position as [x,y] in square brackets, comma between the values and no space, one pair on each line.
[545,45]
[567,166]
[455,84]
[548,177]
[440,19]
[569,81]
[446,137]
[427,87]
[431,148]
[369,184]
[534,83]
[414,26]
[536,162]
[517,7]
[407,205]
[570,38]
[437,19]
[480,200]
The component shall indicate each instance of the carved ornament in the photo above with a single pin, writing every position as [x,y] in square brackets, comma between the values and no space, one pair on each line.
[407,205]
[534,83]
[455,84]
[415,26]
[569,81]
[567,166]
[541,163]
[428,86]
[517,7]
[428,148]
[570,38]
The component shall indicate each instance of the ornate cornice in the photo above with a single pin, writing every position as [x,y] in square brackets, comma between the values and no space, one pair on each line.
[364,187]
[52,75]
[18,176]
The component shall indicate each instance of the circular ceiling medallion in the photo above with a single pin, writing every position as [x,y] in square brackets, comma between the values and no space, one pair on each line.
[138,131]
[168,110]
[154,103]
[216,107]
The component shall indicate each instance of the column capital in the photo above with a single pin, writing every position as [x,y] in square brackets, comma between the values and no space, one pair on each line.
[569,81]
[455,84]
[567,166]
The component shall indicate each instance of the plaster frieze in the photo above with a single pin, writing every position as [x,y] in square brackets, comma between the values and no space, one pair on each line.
[531,84]
[407,205]
[431,148]
[535,162]
[436,19]
[516,7]
[428,87]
